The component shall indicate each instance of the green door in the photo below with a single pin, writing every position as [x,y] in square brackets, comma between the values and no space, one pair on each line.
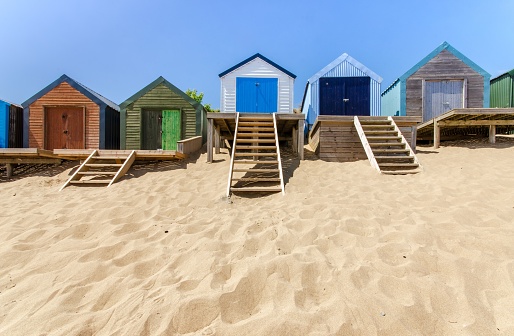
[171,129]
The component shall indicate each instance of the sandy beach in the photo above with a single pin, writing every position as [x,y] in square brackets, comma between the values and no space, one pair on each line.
[346,251]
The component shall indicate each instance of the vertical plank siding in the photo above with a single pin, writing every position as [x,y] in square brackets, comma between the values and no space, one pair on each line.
[15,138]
[444,66]
[63,95]
[161,98]
[502,90]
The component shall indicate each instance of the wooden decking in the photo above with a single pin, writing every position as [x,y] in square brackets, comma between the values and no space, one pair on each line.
[335,138]
[290,126]
[82,154]
[12,156]
[467,121]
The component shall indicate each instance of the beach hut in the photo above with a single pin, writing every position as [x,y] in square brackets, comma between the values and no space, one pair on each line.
[343,87]
[502,90]
[11,125]
[158,116]
[68,115]
[257,85]
[444,80]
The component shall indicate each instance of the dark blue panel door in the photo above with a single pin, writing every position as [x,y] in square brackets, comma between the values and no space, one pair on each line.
[344,96]
[256,95]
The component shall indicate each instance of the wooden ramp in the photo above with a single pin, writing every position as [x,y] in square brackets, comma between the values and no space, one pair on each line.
[255,165]
[386,147]
[102,169]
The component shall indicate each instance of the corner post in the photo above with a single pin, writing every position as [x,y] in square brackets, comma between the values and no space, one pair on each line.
[301,126]
[437,134]
[217,140]
[492,134]
[414,136]
[210,127]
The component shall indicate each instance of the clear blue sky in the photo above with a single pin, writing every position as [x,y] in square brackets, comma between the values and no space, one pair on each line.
[116,47]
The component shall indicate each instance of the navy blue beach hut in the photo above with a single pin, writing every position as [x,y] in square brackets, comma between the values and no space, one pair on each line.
[257,85]
[11,125]
[343,87]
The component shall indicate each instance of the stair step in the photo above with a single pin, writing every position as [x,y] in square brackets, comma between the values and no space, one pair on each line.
[255,129]
[264,189]
[106,157]
[256,118]
[96,173]
[379,150]
[375,122]
[256,154]
[103,164]
[400,172]
[255,170]
[255,161]
[386,164]
[397,138]
[258,179]
[394,157]
[256,147]
[262,135]
[384,144]
[91,182]
[380,132]
[255,140]
[378,126]
[255,123]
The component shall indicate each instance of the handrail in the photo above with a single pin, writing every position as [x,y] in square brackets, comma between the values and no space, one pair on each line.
[231,171]
[278,154]
[365,144]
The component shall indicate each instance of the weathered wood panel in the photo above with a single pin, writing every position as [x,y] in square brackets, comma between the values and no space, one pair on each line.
[162,98]
[444,66]
[64,95]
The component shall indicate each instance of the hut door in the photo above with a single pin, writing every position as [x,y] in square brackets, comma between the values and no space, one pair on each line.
[64,127]
[171,129]
[442,96]
[344,96]
[256,95]
[151,134]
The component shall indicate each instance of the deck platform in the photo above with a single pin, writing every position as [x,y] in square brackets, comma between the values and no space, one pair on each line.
[335,138]
[81,154]
[222,125]
[467,120]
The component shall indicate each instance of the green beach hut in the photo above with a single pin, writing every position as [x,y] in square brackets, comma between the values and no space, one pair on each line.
[158,116]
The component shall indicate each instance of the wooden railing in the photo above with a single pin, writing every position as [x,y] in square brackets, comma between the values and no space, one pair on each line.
[191,145]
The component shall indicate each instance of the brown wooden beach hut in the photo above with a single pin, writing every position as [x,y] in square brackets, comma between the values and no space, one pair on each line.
[160,115]
[69,115]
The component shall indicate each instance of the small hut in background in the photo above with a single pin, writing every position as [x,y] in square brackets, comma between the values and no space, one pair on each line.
[257,85]
[68,115]
[11,125]
[502,90]
[444,80]
[158,116]
[343,87]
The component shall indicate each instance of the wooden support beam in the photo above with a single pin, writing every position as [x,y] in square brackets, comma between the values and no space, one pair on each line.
[301,125]
[217,139]
[294,132]
[29,161]
[437,134]
[210,127]
[414,136]
[482,122]
[8,167]
[226,125]
[492,134]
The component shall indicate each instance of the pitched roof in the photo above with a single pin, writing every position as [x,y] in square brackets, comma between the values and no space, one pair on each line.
[352,61]
[510,73]
[95,97]
[152,85]
[8,102]
[251,58]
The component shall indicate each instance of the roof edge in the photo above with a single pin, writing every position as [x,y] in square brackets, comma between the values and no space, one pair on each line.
[352,61]
[251,58]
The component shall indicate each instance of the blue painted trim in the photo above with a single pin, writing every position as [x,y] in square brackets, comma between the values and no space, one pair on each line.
[445,46]
[251,58]
[403,97]
[487,92]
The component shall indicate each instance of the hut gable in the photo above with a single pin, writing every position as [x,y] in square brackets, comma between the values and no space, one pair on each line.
[99,113]
[343,66]
[159,95]
[446,73]
[260,68]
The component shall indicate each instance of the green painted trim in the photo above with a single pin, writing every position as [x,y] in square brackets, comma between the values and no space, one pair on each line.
[123,128]
[445,46]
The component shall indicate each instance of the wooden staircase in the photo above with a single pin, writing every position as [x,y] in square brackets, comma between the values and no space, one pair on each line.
[255,165]
[386,147]
[102,169]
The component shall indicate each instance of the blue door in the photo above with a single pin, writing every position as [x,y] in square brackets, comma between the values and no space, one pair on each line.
[258,95]
[344,96]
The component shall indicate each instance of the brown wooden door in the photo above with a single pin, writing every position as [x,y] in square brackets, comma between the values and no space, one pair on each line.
[64,127]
